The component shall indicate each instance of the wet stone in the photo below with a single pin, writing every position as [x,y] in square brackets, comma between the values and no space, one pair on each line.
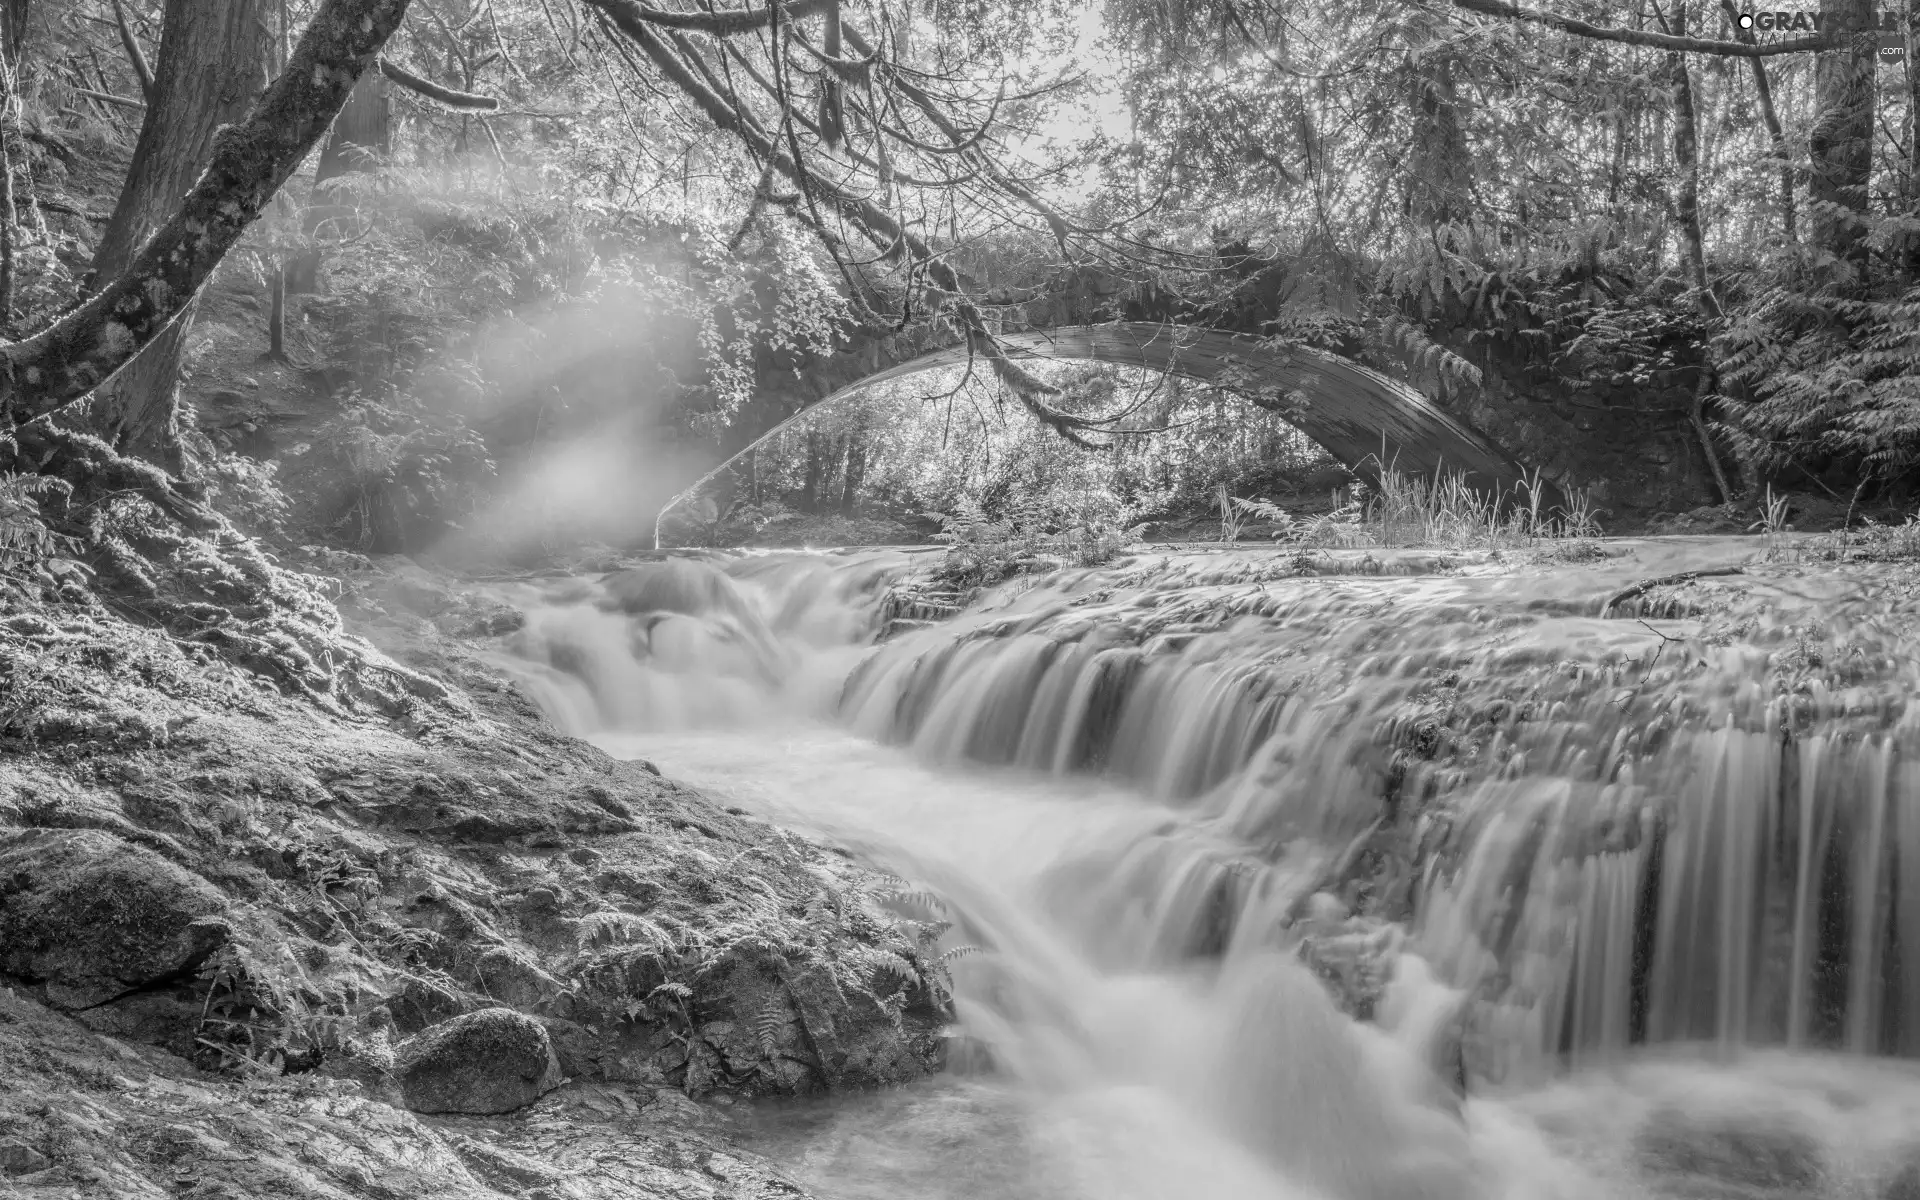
[1763,1155]
[1905,1182]
[18,1158]
[492,1061]
[95,917]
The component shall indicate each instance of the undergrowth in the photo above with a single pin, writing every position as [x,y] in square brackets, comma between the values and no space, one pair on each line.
[1409,511]
[983,551]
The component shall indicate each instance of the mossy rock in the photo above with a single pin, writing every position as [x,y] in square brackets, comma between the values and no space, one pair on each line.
[94,917]
[492,1061]
[1761,1153]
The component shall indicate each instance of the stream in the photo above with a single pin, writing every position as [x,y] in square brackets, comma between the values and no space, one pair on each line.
[1636,884]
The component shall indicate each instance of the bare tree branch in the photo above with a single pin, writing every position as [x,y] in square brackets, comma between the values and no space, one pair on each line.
[463,101]
[1635,37]
[110,98]
[134,55]
[882,229]
[721,22]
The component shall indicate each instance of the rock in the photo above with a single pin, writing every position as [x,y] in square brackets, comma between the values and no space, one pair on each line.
[516,1168]
[420,1003]
[1354,965]
[488,621]
[1721,518]
[514,981]
[1905,1185]
[491,1061]
[428,597]
[18,1158]
[1753,1151]
[678,585]
[95,917]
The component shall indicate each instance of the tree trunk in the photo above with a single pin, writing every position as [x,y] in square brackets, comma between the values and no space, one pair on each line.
[277,316]
[856,471]
[9,214]
[252,159]
[1686,209]
[1842,137]
[211,66]
[1686,162]
[1913,105]
[810,490]
[1439,165]
[13,27]
[362,135]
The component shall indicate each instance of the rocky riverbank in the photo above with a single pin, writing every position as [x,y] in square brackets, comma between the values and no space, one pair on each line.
[252,943]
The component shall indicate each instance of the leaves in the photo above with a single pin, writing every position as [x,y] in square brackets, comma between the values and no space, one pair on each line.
[25,539]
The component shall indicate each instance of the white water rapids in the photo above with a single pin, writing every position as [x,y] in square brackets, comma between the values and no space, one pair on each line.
[1643,888]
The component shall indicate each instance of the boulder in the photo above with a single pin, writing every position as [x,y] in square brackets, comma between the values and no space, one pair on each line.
[491,1061]
[678,585]
[1904,1184]
[514,980]
[1760,1152]
[94,917]
[18,1158]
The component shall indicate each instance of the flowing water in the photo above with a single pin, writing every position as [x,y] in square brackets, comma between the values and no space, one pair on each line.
[1644,886]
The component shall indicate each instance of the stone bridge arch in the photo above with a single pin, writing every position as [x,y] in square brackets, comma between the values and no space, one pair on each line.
[1363,418]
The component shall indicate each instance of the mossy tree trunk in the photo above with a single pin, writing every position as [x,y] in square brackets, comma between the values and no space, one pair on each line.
[252,159]
[212,64]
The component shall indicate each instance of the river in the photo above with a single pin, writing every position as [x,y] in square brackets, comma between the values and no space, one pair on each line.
[1622,897]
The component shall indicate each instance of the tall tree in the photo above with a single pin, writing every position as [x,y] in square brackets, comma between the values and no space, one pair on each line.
[212,64]
[1686,205]
[252,159]
[362,135]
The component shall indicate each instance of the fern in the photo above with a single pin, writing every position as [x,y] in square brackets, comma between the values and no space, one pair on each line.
[618,928]
[889,963]
[770,1023]
[1422,362]
[1831,375]
[24,536]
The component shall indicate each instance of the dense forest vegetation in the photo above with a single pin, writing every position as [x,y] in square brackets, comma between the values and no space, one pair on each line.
[397,396]
[538,265]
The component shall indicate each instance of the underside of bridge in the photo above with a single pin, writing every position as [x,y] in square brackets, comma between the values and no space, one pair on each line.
[1363,418]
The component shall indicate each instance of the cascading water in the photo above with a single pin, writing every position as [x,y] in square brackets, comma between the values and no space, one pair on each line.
[1523,841]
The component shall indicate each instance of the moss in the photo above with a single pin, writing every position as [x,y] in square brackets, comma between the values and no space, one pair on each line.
[491,1061]
[95,916]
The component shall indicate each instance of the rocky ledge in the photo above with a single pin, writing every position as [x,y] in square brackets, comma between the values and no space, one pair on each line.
[246,927]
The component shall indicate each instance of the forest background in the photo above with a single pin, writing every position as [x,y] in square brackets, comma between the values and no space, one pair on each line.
[556,258]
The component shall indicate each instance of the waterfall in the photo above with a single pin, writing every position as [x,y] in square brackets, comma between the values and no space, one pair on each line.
[1526,839]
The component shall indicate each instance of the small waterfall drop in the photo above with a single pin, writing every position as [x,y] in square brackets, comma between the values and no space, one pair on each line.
[1522,840]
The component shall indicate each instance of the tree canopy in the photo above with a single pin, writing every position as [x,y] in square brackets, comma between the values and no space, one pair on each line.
[1568,196]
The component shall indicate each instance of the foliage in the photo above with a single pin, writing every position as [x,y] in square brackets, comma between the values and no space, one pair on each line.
[1831,374]
[247,492]
[395,472]
[984,551]
[25,539]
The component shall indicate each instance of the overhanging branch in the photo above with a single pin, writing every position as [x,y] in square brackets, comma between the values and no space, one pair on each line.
[876,224]
[464,101]
[1635,37]
[720,22]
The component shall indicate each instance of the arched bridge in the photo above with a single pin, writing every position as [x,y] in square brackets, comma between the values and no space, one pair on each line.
[1363,418]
